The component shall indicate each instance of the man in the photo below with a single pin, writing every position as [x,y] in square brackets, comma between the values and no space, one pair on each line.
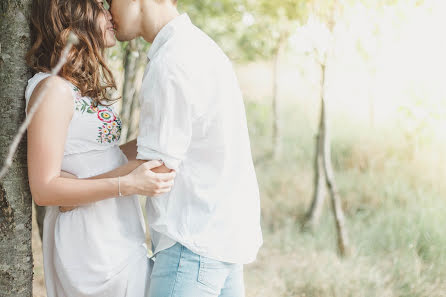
[193,119]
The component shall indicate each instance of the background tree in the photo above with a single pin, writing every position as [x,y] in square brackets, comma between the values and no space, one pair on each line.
[325,12]
[15,199]
[274,22]
[134,62]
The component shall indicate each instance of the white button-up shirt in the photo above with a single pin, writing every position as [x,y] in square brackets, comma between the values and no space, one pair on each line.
[193,118]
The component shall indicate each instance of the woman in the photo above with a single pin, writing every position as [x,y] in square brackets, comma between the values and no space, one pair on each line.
[98,248]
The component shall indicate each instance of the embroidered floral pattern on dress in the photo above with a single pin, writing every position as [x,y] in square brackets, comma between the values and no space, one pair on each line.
[106,115]
[81,104]
[110,130]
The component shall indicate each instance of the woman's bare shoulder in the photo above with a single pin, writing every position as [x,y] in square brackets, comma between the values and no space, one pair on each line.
[56,91]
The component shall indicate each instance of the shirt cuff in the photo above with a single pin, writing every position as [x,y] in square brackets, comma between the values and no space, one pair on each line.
[148,154]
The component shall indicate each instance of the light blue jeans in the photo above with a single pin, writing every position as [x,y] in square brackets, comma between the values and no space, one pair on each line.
[179,272]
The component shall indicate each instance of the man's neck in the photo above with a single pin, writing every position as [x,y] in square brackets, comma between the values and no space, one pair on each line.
[164,15]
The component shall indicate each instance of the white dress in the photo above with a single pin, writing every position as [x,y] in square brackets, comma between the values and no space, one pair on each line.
[96,249]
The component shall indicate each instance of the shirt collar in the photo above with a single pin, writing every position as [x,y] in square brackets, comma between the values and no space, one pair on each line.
[167,32]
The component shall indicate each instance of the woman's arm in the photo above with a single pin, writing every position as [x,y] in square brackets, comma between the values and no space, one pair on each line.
[166,176]
[46,140]
[164,173]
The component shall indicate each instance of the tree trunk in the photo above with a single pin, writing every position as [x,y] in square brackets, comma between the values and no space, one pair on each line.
[277,137]
[128,89]
[134,111]
[315,211]
[329,174]
[16,267]
[134,116]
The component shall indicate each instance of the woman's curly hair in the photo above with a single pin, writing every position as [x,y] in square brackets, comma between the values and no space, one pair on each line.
[52,21]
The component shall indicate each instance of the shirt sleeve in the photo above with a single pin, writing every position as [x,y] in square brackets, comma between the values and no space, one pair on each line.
[165,126]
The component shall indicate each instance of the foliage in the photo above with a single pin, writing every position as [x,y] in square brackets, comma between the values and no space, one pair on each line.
[248,29]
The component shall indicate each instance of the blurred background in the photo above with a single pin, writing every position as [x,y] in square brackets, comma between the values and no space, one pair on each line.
[373,71]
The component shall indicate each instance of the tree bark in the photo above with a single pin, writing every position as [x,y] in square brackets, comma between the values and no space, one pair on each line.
[15,199]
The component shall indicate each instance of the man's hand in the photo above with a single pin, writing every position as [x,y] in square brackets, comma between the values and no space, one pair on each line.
[66,208]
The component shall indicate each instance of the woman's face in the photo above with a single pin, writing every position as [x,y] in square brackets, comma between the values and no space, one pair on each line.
[106,26]
[126,18]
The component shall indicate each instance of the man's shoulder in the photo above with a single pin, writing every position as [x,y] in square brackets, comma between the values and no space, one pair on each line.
[189,52]
[169,63]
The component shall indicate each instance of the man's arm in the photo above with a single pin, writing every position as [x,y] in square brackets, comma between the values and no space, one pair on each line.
[129,150]
[165,127]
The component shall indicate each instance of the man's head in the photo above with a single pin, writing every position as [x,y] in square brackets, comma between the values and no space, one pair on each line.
[134,18]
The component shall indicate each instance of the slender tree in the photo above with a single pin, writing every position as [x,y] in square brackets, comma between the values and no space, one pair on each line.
[277,135]
[273,22]
[328,11]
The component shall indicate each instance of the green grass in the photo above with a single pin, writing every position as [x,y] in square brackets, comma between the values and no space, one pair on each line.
[394,202]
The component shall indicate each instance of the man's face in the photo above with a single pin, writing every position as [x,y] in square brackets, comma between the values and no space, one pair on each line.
[126,18]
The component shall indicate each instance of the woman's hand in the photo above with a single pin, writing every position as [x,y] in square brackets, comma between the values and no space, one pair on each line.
[143,181]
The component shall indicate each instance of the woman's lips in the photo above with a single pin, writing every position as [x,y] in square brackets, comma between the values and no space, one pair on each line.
[110,28]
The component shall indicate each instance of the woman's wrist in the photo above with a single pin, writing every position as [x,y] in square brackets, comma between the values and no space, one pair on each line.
[125,187]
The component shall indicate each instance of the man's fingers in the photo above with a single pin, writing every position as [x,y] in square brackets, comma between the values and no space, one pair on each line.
[66,208]
[168,184]
[162,191]
[165,177]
